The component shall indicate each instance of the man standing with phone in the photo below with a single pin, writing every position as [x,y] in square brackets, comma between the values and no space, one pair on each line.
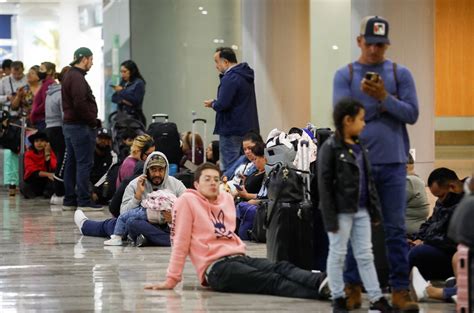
[390,101]
[235,105]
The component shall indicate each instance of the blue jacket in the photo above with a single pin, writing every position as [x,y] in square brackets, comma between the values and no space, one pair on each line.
[385,133]
[236,104]
[133,92]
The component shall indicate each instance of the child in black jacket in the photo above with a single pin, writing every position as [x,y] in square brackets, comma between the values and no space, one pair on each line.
[349,203]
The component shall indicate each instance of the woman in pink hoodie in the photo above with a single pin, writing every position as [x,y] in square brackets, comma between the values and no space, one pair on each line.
[203,229]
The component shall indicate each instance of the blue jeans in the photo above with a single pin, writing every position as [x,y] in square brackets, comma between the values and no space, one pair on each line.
[356,227]
[80,143]
[156,235]
[432,262]
[390,180]
[133,214]
[229,150]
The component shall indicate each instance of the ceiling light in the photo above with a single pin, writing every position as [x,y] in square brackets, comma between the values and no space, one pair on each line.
[335,47]
[204,12]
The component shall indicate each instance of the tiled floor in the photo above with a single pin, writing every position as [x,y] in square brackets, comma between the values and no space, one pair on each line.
[46,265]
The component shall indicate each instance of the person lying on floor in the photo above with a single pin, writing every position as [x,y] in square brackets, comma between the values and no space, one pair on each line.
[202,228]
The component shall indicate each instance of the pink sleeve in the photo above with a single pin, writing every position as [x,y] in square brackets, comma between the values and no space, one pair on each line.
[181,230]
[125,171]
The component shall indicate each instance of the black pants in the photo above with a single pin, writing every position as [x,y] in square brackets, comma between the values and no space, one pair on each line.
[243,274]
[36,186]
[56,139]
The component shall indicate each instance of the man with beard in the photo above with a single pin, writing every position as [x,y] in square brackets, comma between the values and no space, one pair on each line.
[155,177]
[104,159]
[431,249]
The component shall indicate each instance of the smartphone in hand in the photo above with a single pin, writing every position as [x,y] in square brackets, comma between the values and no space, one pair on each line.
[238,187]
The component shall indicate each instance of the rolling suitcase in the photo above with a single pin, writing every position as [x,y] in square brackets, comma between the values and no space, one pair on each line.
[166,137]
[464,280]
[289,231]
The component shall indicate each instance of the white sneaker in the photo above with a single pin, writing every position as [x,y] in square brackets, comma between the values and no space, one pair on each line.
[115,240]
[419,285]
[79,219]
[55,200]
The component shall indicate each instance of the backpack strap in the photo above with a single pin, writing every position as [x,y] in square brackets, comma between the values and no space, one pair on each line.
[396,79]
[351,72]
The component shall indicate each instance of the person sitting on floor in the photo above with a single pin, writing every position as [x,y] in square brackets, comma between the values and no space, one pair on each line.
[40,164]
[141,148]
[202,228]
[418,207]
[431,249]
[104,159]
[155,177]
[187,148]
[156,209]
[212,152]
[252,184]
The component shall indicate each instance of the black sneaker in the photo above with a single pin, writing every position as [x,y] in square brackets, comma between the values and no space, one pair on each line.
[141,241]
[323,290]
[380,306]
[339,305]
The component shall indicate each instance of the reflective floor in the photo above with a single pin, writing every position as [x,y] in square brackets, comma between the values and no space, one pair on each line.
[46,265]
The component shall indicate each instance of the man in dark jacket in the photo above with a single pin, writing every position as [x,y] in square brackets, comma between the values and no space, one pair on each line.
[235,106]
[80,115]
[432,250]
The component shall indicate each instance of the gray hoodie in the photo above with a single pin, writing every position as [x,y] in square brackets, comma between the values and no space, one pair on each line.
[53,108]
[169,182]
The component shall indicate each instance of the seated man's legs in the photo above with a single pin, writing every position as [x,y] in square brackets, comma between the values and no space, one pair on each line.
[138,213]
[244,274]
[432,262]
[99,228]
[155,235]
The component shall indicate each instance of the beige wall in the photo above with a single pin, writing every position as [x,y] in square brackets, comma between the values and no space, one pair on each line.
[276,43]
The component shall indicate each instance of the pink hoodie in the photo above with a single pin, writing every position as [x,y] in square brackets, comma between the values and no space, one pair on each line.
[202,230]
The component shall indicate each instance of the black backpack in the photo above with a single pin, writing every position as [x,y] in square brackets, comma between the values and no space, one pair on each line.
[167,140]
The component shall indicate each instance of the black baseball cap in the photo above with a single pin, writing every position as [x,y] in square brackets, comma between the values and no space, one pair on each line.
[104,132]
[374,29]
[79,54]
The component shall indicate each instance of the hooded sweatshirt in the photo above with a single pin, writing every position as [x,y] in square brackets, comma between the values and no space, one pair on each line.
[203,230]
[169,182]
[53,108]
[38,109]
[236,104]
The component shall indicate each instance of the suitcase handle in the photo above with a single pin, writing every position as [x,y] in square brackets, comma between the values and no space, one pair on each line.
[193,142]
[159,115]
[200,120]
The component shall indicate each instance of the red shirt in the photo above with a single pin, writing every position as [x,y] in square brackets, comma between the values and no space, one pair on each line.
[35,162]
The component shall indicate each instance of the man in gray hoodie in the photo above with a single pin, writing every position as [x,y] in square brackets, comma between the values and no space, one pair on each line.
[155,177]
